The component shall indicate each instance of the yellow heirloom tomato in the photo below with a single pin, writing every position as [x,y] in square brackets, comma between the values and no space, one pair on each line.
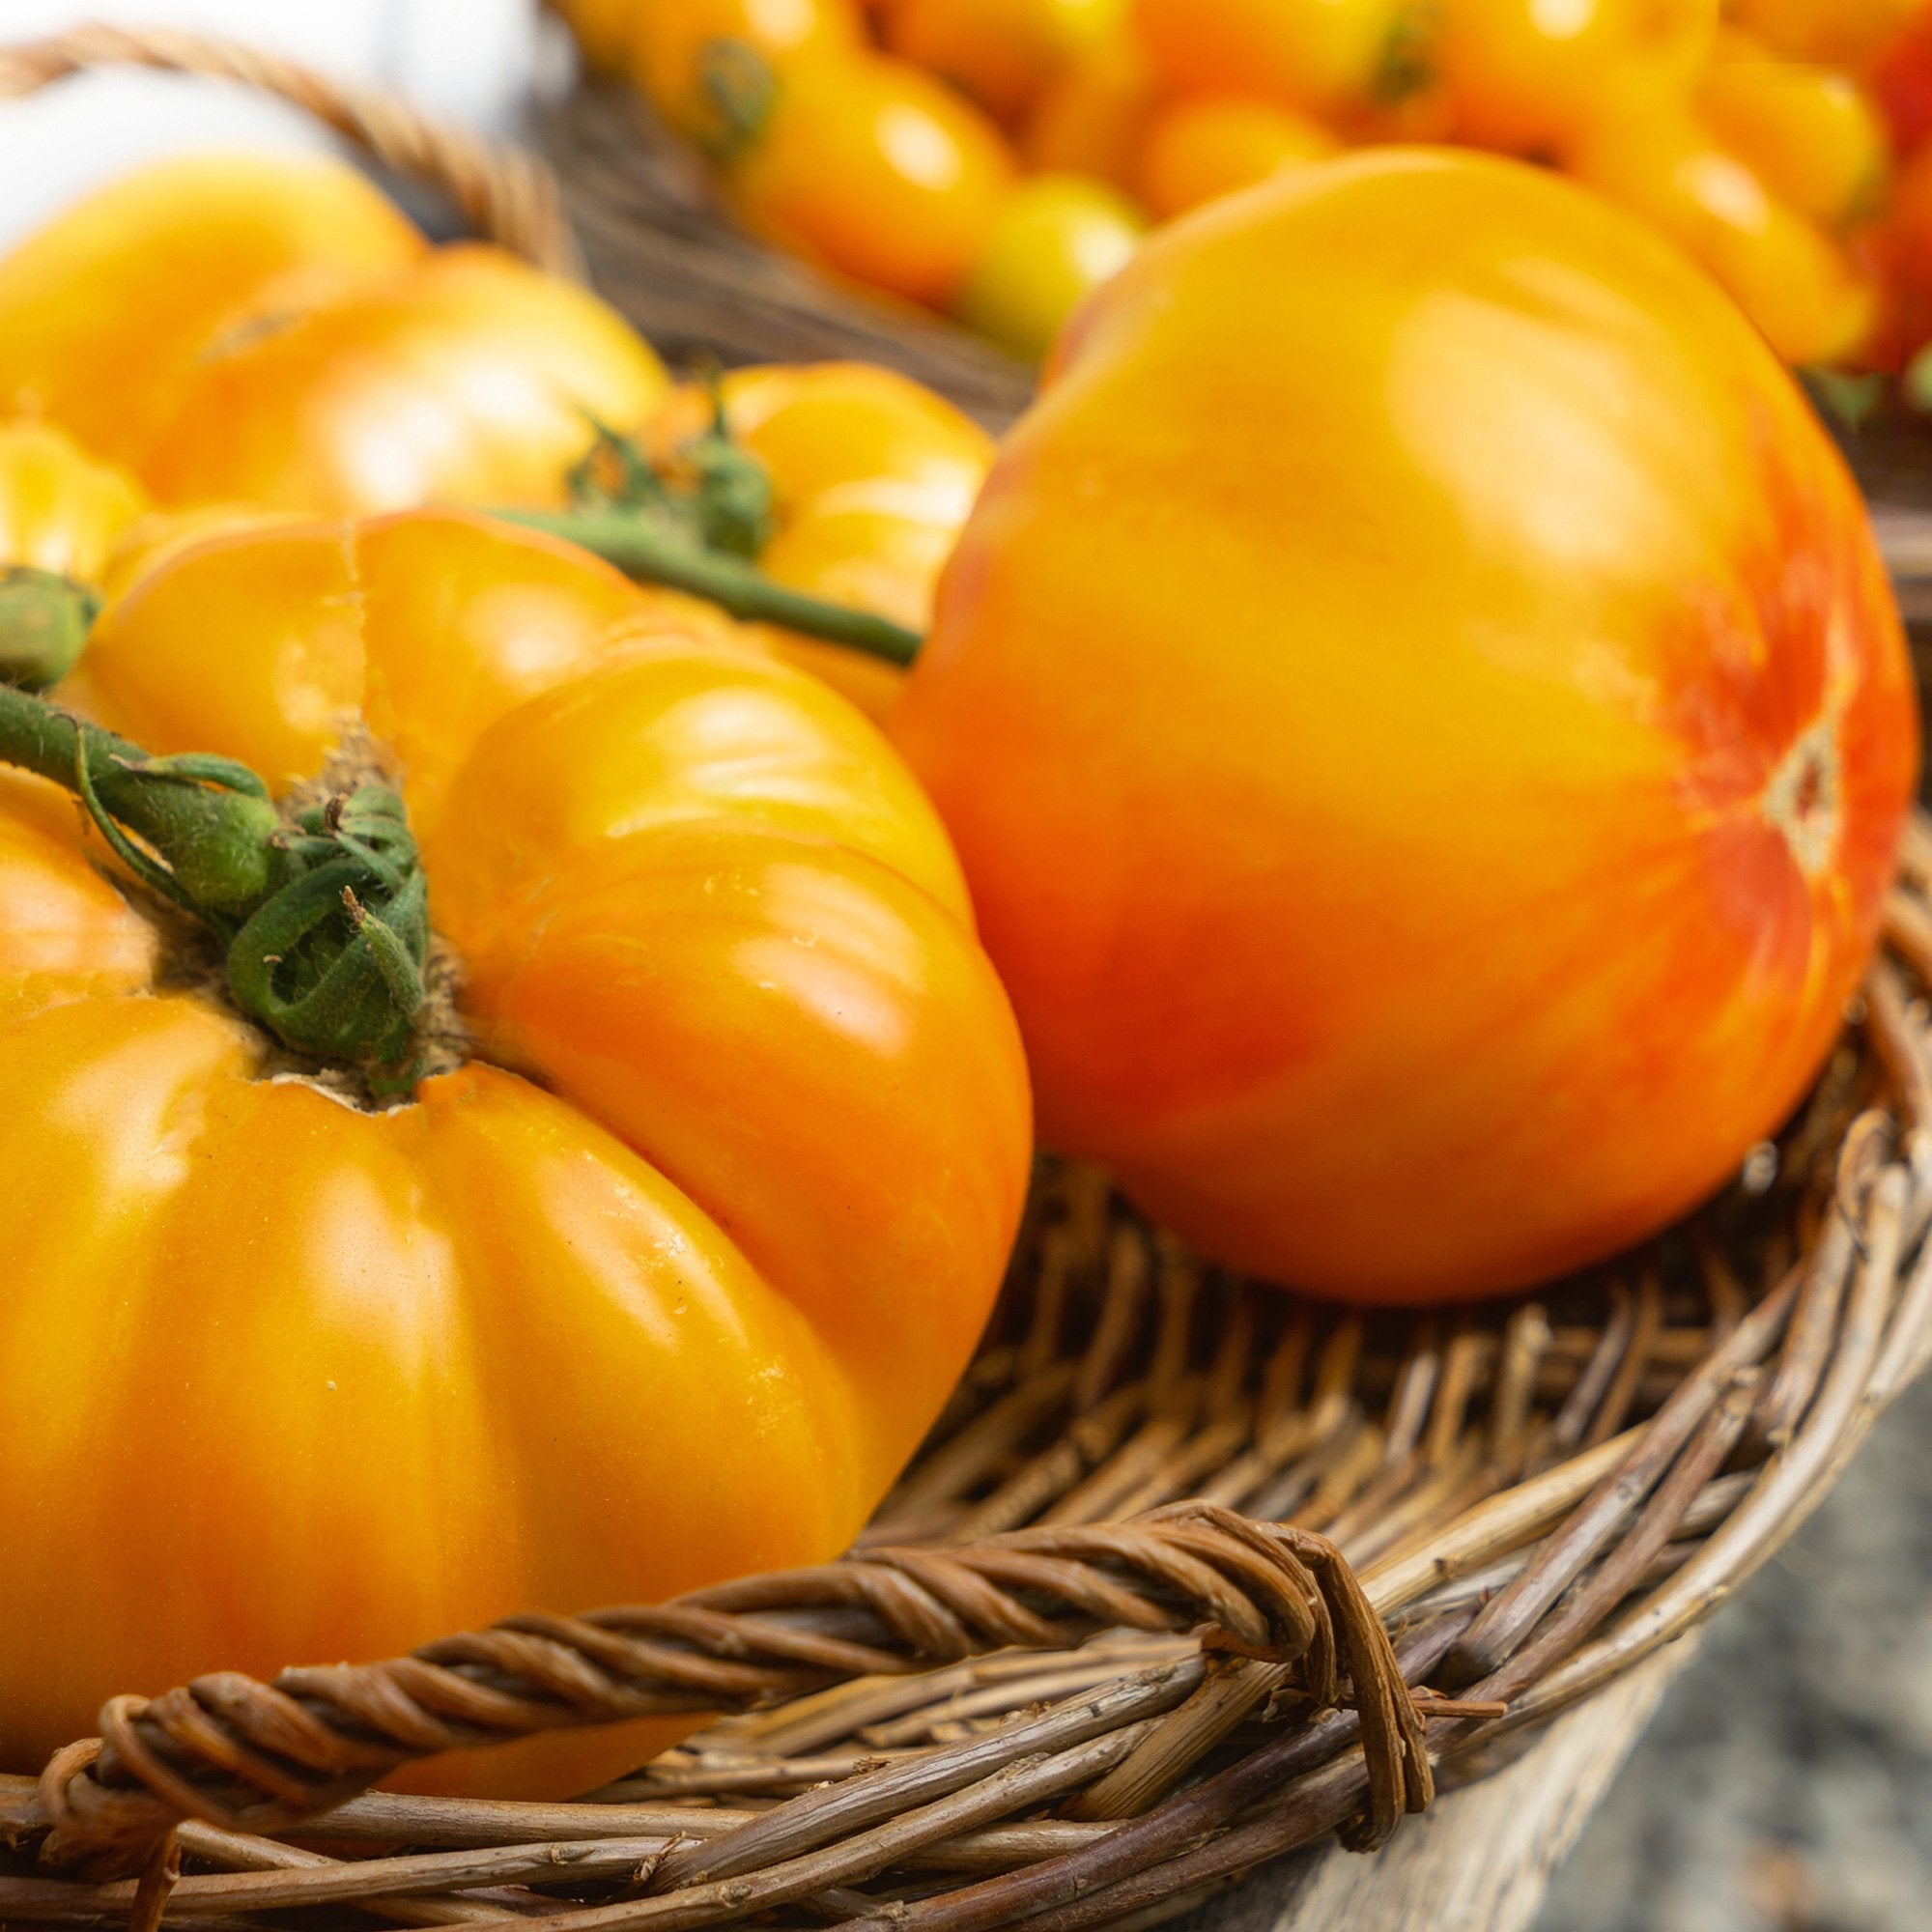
[270,329]
[655,1265]
[61,510]
[871,476]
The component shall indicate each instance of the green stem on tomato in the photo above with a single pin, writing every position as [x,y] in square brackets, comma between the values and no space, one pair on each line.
[324,916]
[214,843]
[644,548]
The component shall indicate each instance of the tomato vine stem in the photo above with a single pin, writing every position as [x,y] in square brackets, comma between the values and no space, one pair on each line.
[323,914]
[653,553]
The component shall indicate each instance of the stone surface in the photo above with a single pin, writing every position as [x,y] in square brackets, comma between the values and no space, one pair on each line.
[1785,1783]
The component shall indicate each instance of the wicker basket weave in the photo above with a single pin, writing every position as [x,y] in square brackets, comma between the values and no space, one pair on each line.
[1190,1573]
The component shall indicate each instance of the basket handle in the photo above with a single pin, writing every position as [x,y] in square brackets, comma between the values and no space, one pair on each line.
[504,193]
[261,1758]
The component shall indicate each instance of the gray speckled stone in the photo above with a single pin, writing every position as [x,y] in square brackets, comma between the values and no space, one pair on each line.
[1786,1784]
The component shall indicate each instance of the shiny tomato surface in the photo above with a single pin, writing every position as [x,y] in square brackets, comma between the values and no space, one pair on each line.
[662,1283]
[1426,728]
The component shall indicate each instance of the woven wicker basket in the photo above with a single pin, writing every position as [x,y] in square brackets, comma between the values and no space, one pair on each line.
[1191,1573]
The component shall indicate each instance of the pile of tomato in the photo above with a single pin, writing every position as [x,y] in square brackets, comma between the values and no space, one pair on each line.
[518,1080]
[997,158]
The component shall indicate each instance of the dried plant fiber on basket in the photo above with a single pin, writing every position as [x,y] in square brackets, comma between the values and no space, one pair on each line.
[1190,1573]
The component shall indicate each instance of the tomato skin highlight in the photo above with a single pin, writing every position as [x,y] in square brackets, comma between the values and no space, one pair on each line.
[1426,726]
[663,1291]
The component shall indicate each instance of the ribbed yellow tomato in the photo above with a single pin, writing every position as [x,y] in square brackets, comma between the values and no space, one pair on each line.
[270,329]
[1426,725]
[662,1284]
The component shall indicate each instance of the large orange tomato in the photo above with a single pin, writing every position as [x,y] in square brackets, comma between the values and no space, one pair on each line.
[271,329]
[1426,725]
[658,1280]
